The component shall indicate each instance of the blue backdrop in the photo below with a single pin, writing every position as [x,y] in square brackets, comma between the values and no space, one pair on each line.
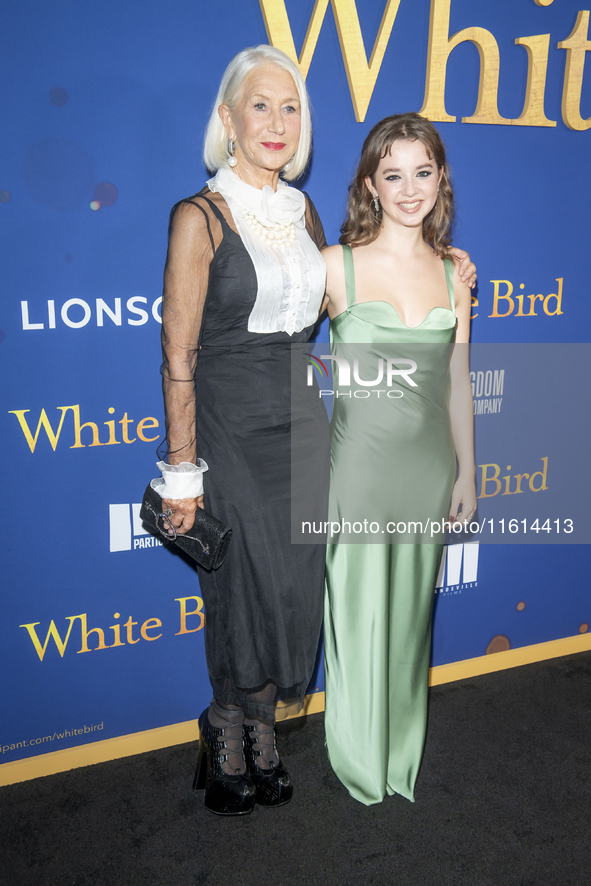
[103,108]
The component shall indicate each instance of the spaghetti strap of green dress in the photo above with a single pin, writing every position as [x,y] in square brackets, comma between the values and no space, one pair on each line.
[379,595]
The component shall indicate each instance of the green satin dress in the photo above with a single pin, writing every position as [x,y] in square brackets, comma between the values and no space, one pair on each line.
[379,596]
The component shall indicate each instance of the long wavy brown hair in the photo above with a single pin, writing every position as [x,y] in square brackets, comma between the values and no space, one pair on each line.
[363,224]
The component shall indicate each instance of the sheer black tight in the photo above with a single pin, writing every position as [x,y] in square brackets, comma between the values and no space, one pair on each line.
[264,736]
[231,719]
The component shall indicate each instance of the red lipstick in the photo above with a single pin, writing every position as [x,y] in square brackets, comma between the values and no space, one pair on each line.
[273,146]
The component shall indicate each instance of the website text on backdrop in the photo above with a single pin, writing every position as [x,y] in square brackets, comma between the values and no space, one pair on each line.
[244,280]
[393,282]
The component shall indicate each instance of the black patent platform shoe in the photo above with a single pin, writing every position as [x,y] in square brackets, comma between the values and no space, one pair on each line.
[273,785]
[224,794]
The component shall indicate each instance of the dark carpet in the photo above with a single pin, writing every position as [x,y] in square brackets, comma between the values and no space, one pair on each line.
[503,799]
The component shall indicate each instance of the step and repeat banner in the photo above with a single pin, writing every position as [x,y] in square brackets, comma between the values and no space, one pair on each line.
[104,106]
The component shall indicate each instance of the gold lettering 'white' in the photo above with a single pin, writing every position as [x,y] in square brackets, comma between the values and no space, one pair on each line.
[361,74]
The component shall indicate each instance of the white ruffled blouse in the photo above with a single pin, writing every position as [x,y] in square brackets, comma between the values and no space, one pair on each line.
[291,281]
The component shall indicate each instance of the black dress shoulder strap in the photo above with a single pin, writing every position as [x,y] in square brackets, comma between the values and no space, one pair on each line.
[216,211]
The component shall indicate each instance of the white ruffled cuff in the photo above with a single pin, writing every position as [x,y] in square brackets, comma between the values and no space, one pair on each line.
[180,481]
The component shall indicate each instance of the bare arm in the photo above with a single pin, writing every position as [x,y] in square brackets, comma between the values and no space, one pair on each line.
[461,408]
[335,299]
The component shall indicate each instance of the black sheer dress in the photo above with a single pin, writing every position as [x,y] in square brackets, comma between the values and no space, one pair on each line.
[227,400]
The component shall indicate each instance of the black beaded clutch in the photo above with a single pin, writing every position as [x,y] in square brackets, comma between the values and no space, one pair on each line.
[206,542]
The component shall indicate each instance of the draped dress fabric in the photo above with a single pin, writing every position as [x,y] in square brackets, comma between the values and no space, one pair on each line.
[378,602]
[263,606]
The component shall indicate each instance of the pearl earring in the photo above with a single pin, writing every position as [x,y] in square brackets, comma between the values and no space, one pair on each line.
[232,161]
[376,204]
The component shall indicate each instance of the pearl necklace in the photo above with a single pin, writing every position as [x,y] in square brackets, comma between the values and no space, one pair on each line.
[279,237]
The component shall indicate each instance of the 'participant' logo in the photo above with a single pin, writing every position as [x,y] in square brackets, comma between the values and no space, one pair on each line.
[126,530]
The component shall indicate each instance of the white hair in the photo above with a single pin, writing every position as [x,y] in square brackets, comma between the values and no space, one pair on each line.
[215,147]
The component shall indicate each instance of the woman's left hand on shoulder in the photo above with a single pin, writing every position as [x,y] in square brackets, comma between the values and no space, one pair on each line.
[466,267]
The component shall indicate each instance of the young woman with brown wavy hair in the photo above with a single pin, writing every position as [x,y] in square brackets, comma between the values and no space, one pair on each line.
[363,223]
[402,451]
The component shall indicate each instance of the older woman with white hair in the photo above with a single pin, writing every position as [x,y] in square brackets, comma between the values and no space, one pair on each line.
[243,280]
